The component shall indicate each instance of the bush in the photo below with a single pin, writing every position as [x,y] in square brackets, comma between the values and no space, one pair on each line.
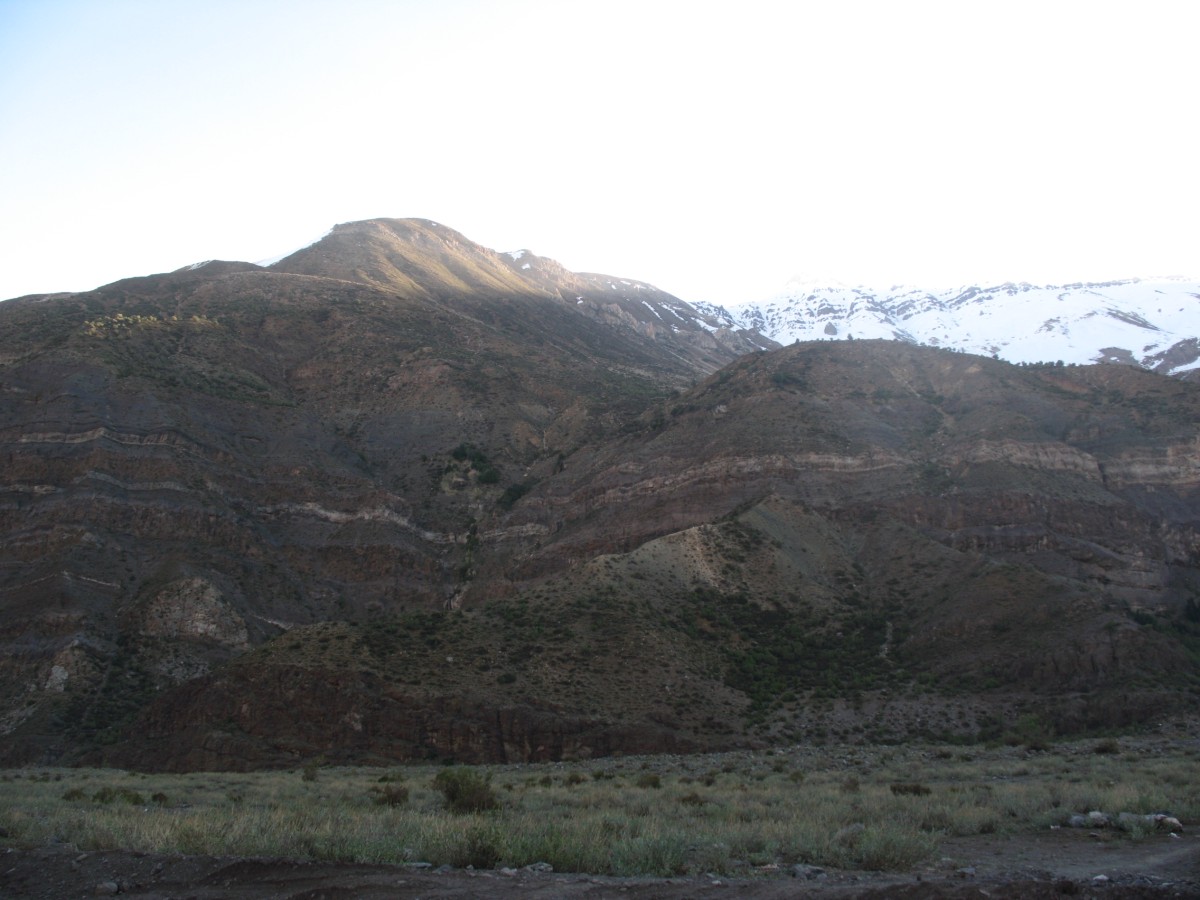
[108,795]
[649,780]
[465,790]
[391,795]
[911,789]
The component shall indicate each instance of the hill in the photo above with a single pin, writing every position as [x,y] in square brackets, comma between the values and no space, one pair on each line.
[398,496]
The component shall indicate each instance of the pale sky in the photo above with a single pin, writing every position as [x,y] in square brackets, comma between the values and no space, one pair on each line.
[712,149]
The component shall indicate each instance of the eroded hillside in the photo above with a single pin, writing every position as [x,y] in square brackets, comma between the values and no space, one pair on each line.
[402,497]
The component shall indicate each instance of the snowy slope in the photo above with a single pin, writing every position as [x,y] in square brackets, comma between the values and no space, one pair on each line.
[1153,322]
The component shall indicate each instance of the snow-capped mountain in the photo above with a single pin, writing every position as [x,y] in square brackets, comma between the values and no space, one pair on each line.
[1154,323]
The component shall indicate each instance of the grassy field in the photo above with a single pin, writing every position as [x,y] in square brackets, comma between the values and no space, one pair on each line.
[875,808]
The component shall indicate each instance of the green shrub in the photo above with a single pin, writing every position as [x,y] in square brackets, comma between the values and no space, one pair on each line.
[465,790]
[109,795]
[649,780]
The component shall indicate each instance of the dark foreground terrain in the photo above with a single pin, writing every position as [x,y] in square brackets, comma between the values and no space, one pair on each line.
[1047,864]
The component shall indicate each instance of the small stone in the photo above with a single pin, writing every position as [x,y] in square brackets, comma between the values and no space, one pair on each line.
[1100,879]
[107,889]
[1166,823]
[966,872]
[507,872]
[539,867]
[808,873]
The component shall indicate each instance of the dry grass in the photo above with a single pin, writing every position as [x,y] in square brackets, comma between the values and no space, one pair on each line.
[724,814]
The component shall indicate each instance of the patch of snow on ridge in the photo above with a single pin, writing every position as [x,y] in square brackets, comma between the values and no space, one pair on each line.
[200,265]
[275,259]
[516,254]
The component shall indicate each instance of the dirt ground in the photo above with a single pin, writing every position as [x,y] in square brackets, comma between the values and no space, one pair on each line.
[1047,864]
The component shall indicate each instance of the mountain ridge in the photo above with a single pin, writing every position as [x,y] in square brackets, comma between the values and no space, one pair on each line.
[1152,323]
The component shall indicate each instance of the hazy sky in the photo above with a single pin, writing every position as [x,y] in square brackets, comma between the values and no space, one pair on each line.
[713,149]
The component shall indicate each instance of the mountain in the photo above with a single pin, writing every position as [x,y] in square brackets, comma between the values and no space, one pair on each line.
[398,496]
[1153,323]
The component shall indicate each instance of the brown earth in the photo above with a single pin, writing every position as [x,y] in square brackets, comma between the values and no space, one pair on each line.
[1046,864]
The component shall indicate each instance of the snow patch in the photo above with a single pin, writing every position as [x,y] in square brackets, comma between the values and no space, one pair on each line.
[1187,367]
[646,304]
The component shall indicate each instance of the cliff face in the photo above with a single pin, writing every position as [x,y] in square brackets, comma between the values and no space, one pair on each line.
[280,717]
[544,525]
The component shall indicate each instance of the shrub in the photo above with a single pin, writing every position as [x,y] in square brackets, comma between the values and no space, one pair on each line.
[391,795]
[480,846]
[649,780]
[912,789]
[108,795]
[465,790]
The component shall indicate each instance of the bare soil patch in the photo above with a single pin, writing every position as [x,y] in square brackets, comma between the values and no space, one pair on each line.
[1051,863]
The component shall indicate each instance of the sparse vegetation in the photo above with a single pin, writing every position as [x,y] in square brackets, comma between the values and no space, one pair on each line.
[741,812]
